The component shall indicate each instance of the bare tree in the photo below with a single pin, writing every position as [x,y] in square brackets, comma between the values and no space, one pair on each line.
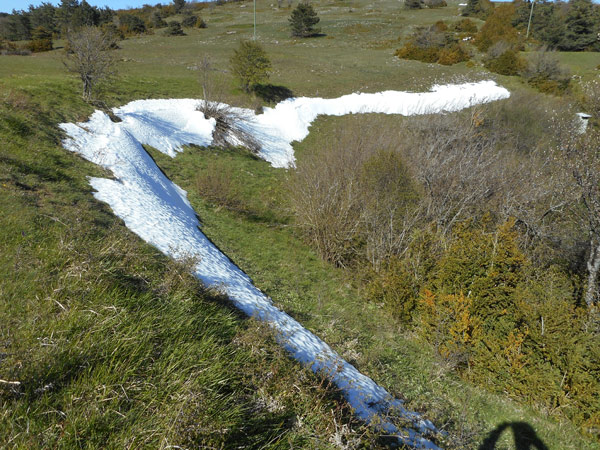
[90,56]
[582,161]
[456,164]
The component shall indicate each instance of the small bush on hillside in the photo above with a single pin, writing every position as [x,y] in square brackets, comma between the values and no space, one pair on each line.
[116,34]
[435,3]
[413,4]
[200,23]
[157,21]
[189,21]
[503,59]
[434,45]
[544,72]
[41,40]
[303,20]
[250,64]
[174,29]
[466,26]
[131,24]
[453,54]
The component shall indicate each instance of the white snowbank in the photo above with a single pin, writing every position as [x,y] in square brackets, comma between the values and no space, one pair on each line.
[158,211]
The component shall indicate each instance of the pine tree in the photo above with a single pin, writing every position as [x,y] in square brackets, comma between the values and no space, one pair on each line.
[250,64]
[303,20]
[580,24]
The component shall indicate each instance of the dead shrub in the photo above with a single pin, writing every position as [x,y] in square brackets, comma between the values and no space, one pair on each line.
[230,122]
[544,72]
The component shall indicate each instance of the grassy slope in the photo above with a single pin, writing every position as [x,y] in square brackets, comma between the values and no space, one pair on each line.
[90,309]
[115,346]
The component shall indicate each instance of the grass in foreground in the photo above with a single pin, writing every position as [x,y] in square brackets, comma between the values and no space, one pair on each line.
[110,343]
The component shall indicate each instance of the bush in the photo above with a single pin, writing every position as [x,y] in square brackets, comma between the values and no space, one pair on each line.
[250,64]
[157,21]
[303,20]
[39,45]
[413,4]
[544,72]
[466,26]
[453,54]
[174,29]
[189,20]
[434,45]
[435,3]
[504,60]
[131,24]
[200,23]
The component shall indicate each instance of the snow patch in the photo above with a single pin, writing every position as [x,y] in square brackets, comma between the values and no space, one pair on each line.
[158,211]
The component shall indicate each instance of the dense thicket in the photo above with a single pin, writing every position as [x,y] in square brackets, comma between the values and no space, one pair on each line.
[478,231]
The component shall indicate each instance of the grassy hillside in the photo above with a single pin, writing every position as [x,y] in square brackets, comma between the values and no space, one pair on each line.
[115,346]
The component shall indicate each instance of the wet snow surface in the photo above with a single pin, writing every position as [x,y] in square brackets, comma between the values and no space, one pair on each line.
[158,211]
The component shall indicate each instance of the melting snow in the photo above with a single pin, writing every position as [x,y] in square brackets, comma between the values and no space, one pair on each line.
[158,211]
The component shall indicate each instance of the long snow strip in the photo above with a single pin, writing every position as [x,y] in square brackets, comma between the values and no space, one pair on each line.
[158,211]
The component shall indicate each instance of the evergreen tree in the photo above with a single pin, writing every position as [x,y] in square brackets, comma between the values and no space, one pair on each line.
[250,64]
[303,20]
[175,29]
[42,16]
[18,26]
[580,26]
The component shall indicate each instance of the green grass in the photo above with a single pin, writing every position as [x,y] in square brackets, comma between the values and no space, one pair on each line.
[113,344]
[116,346]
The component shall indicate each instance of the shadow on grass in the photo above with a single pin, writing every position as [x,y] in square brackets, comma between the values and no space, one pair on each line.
[523,433]
[272,93]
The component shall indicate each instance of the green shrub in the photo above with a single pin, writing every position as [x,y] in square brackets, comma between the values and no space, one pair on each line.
[174,29]
[466,26]
[507,63]
[433,45]
[453,54]
[157,21]
[250,64]
[412,51]
[131,24]
[39,45]
[200,23]
[41,40]
[189,20]
[413,4]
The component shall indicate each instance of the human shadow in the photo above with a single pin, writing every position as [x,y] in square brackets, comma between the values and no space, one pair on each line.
[272,93]
[523,433]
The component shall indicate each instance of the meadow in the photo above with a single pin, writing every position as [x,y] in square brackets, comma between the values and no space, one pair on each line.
[114,345]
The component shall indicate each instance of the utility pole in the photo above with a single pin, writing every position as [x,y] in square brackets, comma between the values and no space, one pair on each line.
[254,38]
[530,16]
